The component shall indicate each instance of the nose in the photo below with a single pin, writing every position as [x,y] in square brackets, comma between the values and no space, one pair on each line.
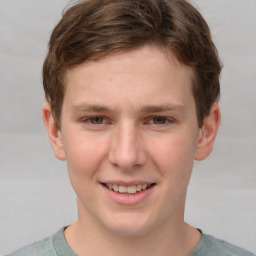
[126,149]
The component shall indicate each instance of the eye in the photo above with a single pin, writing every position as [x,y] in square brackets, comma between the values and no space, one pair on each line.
[95,123]
[96,120]
[159,120]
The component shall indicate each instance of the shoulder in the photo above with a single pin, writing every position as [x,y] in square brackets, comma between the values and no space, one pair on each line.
[233,249]
[50,246]
[211,246]
[40,248]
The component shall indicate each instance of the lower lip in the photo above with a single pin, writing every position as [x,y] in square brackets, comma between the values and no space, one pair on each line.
[128,199]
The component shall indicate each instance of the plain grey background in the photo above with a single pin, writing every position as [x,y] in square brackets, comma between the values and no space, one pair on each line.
[36,198]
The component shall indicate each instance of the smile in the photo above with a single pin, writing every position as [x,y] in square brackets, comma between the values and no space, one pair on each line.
[133,189]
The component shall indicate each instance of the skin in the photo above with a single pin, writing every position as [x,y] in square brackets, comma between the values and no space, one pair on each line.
[131,118]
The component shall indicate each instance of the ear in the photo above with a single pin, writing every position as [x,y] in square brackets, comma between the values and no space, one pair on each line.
[54,133]
[208,133]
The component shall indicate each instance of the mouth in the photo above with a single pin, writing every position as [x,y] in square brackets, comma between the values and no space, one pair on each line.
[132,189]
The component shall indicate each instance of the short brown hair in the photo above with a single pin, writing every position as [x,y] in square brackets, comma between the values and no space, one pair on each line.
[93,29]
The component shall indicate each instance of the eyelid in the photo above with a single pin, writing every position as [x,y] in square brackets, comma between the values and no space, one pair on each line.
[168,120]
[87,119]
[107,120]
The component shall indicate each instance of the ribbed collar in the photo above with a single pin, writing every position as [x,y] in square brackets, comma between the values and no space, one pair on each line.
[61,246]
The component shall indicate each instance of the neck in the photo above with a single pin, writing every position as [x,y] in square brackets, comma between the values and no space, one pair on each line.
[172,238]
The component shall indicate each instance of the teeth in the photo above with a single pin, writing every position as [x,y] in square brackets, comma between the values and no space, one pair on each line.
[115,187]
[131,189]
[144,186]
[127,189]
[139,187]
[122,189]
[110,186]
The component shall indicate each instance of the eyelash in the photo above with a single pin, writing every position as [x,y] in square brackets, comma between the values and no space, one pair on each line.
[89,120]
[165,119]
[150,120]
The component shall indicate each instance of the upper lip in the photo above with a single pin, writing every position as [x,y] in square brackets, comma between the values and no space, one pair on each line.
[127,183]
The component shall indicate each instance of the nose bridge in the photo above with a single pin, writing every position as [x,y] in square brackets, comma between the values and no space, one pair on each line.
[126,147]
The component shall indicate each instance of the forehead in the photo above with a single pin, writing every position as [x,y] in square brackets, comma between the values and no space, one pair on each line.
[158,56]
[149,73]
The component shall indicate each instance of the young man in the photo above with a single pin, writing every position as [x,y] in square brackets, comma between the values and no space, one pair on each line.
[132,90]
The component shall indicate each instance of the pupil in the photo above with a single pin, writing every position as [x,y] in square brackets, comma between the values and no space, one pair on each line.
[159,120]
[97,120]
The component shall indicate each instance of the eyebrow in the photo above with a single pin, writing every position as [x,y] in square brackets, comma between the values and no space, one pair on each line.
[161,108]
[90,108]
[143,109]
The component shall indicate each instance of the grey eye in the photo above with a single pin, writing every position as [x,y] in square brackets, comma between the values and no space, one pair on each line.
[159,120]
[96,120]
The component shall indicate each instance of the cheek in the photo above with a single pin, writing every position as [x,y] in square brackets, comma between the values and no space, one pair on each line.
[84,158]
[84,155]
[174,157]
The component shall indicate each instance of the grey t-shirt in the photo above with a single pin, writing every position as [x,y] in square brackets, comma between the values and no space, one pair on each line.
[57,246]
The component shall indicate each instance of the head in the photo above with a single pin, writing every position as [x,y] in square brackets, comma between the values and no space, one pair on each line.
[94,29]
[131,89]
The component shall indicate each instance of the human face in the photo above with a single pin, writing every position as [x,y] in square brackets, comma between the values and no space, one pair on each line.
[128,120]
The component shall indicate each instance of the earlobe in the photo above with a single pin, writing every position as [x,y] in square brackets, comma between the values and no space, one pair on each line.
[54,133]
[208,133]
